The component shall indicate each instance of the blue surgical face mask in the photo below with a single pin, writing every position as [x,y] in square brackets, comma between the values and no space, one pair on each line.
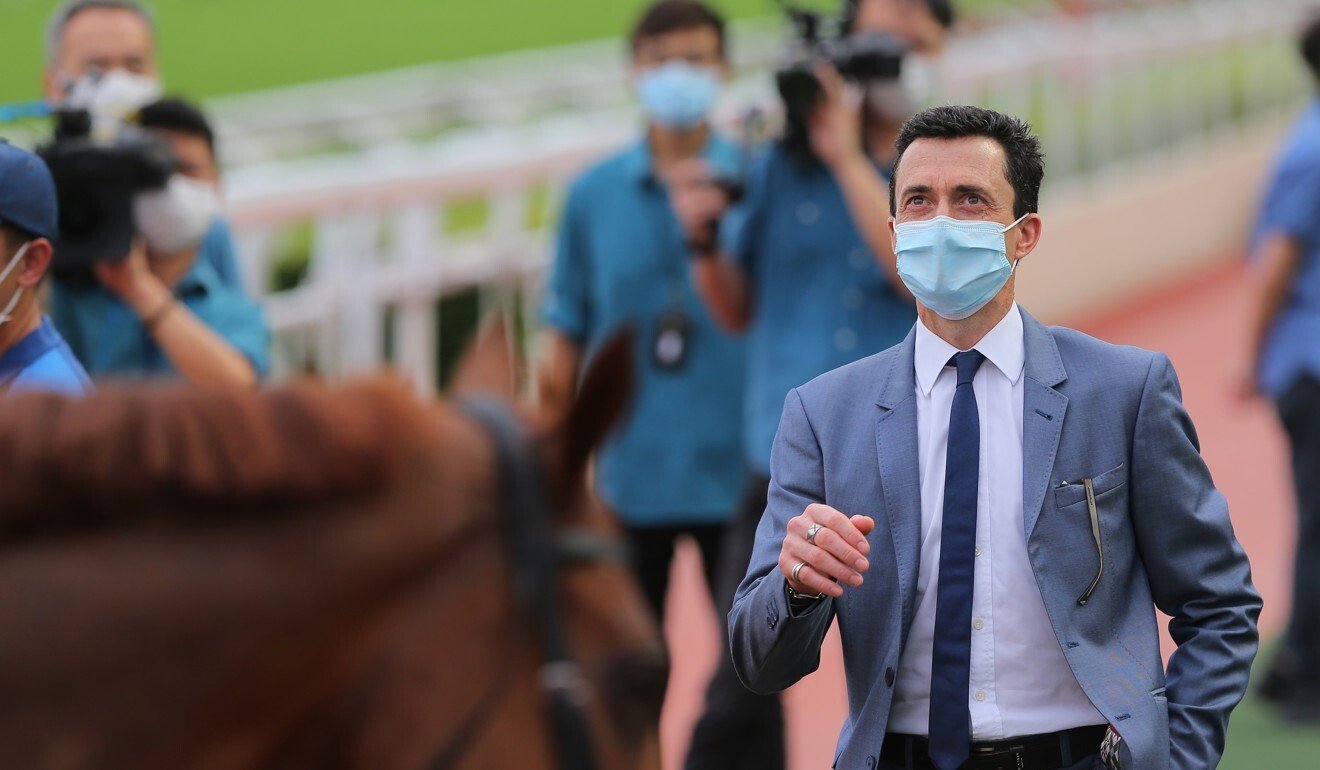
[677,94]
[953,266]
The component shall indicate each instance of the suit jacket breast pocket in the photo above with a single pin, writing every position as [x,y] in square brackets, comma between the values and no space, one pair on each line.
[1073,491]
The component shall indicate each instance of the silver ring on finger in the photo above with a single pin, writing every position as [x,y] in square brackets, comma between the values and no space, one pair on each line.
[797,570]
[811,533]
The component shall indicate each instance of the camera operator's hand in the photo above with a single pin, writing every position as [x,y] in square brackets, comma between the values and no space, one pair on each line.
[698,204]
[836,120]
[132,281]
[196,350]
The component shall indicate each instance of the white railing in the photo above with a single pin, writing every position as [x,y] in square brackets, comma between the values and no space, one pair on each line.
[429,100]
[381,228]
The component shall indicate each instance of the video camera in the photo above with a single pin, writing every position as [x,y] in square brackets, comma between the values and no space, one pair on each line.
[98,167]
[863,58]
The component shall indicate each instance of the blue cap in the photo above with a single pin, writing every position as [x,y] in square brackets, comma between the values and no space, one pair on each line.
[27,192]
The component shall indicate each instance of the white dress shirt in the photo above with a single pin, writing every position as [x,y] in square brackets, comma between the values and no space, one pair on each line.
[1020,682]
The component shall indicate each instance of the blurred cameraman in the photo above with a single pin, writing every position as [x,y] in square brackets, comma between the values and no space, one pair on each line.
[673,470]
[164,309]
[33,357]
[101,57]
[805,267]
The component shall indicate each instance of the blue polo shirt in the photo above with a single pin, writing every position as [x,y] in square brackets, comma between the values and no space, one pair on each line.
[1291,207]
[110,340]
[42,361]
[621,262]
[819,299]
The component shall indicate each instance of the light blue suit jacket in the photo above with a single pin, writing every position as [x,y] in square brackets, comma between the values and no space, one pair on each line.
[1114,414]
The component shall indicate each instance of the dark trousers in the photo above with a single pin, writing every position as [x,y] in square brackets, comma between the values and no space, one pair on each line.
[739,730]
[1299,410]
[653,550]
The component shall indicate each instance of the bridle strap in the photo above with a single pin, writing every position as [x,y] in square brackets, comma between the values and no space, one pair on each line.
[536,559]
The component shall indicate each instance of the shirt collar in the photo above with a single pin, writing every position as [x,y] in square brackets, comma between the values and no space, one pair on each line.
[22,353]
[1003,346]
[717,151]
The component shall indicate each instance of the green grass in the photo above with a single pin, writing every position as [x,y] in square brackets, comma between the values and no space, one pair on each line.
[213,47]
[1258,739]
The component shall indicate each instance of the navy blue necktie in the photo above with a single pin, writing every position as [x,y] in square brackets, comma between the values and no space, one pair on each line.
[950,671]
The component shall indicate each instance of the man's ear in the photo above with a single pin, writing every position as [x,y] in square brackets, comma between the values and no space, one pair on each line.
[1028,236]
[50,81]
[35,261]
[893,236]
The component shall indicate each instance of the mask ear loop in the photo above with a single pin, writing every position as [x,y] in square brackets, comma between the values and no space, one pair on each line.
[1012,271]
[1017,222]
[13,301]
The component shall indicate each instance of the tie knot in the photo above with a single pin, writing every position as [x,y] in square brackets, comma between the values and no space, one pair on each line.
[967,363]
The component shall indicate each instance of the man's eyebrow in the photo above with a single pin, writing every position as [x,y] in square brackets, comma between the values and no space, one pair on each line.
[971,189]
[916,188]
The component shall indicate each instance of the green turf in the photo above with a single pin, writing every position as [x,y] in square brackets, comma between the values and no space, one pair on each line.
[1259,740]
[211,47]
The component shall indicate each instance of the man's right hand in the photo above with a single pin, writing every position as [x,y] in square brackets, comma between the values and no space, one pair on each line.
[837,555]
[698,203]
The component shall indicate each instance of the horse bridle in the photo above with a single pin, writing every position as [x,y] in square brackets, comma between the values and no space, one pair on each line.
[537,557]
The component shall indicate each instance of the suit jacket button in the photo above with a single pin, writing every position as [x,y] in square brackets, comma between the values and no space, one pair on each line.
[889,677]
[771,614]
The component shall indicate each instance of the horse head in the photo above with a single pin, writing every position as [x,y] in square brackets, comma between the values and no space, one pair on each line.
[313,577]
[601,652]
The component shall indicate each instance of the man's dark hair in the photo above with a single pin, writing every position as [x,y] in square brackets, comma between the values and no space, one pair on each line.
[668,16]
[65,13]
[175,114]
[1310,45]
[1024,164]
[942,10]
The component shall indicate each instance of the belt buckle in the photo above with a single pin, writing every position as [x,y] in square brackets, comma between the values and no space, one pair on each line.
[998,755]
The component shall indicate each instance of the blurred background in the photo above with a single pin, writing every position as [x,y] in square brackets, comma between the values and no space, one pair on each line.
[395,169]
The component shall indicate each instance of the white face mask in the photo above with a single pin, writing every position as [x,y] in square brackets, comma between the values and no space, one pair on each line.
[920,79]
[176,217]
[8,312]
[113,95]
[889,101]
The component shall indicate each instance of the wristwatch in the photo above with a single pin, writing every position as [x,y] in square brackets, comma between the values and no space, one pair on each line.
[798,602]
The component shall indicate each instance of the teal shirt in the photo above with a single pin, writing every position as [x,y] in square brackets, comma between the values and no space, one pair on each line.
[110,340]
[218,249]
[621,262]
[42,361]
[1291,207]
[819,299]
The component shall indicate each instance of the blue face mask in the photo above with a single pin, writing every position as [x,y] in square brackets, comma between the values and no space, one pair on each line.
[677,94]
[953,266]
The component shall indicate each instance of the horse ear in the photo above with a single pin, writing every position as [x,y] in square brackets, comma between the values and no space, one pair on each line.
[488,366]
[606,390]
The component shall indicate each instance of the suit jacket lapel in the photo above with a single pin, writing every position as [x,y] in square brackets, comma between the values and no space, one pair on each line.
[1042,416]
[896,444]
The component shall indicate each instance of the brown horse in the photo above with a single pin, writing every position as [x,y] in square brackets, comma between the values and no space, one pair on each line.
[306,577]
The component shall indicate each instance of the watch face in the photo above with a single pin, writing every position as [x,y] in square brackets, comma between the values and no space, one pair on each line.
[669,349]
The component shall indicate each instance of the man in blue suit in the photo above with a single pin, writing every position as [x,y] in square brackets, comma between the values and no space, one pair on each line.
[993,509]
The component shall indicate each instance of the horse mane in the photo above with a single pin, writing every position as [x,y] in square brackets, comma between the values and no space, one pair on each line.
[128,451]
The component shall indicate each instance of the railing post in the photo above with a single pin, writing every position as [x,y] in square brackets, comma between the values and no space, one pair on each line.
[416,247]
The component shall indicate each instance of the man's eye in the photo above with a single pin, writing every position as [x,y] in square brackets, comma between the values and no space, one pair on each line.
[974,200]
[916,200]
